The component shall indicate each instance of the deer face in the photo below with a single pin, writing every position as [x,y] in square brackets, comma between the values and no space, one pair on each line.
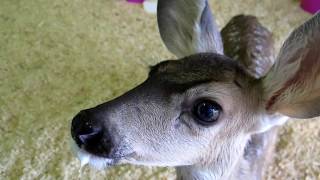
[185,111]
[202,109]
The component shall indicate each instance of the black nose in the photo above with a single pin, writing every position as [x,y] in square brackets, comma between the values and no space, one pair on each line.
[88,132]
[85,129]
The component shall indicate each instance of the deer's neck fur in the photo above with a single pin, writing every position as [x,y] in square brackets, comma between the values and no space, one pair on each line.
[216,171]
[193,172]
[250,163]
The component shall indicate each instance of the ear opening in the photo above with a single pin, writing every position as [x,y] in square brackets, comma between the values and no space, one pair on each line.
[292,87]
[188,27]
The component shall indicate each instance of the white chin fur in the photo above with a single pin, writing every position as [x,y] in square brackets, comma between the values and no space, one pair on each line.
[87,158]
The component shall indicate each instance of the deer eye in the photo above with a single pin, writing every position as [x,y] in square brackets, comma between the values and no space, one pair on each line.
[207,112]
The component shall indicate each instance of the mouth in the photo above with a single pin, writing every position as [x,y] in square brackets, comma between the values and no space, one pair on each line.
[95,161]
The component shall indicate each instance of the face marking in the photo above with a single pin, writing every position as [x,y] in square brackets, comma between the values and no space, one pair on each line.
[178,76]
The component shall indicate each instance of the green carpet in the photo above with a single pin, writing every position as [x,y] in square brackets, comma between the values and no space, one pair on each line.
[58,57]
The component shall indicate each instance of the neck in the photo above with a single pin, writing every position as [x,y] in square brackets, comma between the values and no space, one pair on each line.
[193,172]
[214,171]
[223,167]
[249,164]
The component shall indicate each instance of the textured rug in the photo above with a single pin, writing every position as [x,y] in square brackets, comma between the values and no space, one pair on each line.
[57,57]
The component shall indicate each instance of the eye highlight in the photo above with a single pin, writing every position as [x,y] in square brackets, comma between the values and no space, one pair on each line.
[207,112]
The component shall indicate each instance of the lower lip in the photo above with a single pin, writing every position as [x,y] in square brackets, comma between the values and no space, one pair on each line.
[97,161]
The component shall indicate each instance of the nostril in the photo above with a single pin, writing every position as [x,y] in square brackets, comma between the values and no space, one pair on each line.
[84,129]
[91,136]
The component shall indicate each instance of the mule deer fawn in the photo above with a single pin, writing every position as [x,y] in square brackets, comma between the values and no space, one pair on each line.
[212,113]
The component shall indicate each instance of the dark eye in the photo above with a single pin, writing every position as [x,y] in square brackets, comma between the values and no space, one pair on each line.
[207,112]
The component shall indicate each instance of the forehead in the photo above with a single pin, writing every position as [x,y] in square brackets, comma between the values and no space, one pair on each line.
[196,69]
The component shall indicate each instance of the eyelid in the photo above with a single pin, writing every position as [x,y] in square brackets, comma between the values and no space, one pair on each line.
[205,98]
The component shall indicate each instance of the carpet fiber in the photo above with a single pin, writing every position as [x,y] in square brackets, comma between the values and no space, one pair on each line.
[57,57]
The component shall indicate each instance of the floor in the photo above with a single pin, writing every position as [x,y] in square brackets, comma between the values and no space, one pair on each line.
[57,57]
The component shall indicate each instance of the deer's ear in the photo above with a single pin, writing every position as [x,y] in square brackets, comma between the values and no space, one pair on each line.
[188,27]
[250,43]
[292,87]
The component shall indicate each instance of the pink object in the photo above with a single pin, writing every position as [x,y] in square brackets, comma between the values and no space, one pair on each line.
[311,6]
[135,1]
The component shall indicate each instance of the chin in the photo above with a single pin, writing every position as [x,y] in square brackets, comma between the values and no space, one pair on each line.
[92,160]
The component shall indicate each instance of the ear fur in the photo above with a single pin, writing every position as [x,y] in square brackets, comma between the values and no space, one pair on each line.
[250,43]
[292,87]
[187,27]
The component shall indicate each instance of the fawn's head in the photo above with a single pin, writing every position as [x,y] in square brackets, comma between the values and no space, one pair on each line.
[202,108]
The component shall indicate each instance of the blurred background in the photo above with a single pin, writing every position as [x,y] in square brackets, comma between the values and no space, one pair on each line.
[58,57]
